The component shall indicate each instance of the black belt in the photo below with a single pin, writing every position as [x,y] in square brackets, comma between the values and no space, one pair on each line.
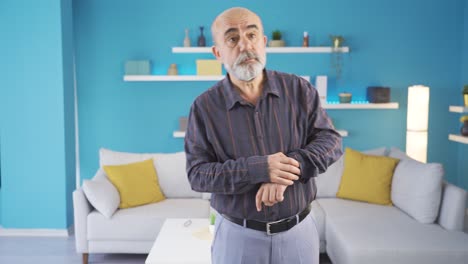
[271,227]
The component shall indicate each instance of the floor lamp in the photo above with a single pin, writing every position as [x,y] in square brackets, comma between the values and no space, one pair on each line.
[417,121]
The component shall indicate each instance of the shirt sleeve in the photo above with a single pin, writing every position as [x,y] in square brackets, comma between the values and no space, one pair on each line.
[323,145]
[207,174]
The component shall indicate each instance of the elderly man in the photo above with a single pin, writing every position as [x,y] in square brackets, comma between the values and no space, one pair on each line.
[255,140]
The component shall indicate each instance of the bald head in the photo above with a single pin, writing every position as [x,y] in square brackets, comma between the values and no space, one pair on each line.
[233,17]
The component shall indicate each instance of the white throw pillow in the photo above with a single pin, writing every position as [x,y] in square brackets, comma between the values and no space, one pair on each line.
[110,157]
[329,181]
[102,194]
[417,189]
[173,177]
[170,169]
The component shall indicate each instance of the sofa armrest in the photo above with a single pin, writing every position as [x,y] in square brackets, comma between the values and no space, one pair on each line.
[206,196]
[452,207]
[81,209]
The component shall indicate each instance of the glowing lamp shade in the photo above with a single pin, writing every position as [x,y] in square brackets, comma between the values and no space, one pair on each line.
[417,121]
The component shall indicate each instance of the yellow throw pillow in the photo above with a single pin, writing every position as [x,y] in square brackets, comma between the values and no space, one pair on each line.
[137,183]
[367,178]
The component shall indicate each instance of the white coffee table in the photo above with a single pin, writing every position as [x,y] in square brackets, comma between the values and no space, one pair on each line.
[177,243]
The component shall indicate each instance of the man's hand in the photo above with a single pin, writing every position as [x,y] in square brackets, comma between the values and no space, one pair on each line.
[269,194]
[282,169]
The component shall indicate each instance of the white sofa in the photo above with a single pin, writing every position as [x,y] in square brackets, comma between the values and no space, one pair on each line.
[350,232]
[353,232]
[134,230]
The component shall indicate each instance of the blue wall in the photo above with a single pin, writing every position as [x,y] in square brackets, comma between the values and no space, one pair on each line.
[36,114]
[393,43]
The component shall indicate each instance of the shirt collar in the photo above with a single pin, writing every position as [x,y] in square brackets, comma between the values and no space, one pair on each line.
[233,96]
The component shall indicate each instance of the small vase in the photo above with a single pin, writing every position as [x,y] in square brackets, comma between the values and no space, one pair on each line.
[274,43]
[201,39]
[186,39]
[172,69]
[337,41]
[465,98]
[464,129]
[345,98]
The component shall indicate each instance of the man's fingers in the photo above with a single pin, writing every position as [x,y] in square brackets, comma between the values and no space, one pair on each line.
[279,194]
[282,181]
[258,199]
[288,175]
[272,196]
[265,196]
[291,161]
[290,168]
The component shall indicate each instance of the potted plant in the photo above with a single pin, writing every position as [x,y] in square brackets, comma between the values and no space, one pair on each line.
[212,222]
[465,94]
[464,128]
[276,39]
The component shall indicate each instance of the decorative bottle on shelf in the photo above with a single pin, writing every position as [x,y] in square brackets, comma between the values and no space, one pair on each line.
[201,38]
[305,40]
[186,39]
[172,69]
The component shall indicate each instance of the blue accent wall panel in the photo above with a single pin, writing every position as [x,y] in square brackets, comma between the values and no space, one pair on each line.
[69,106]
[34,193]
[463,148]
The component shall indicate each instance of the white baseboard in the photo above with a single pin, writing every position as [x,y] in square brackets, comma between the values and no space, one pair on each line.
[18,232]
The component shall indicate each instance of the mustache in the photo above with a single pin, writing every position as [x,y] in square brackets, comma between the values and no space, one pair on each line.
[247,55]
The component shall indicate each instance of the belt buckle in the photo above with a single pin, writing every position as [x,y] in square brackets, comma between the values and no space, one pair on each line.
[268,226]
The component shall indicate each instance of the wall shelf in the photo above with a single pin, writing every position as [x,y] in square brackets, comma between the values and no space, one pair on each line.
[168,78]
[268,50]
[458,138]
[343,133]
[181,134]
[178,78]
[362,106]
[458,109]
[453,137]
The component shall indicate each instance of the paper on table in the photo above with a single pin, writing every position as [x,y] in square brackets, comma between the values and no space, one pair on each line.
[203,234]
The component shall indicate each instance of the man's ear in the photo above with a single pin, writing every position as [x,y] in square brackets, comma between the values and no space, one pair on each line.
[265,40]
[215,52]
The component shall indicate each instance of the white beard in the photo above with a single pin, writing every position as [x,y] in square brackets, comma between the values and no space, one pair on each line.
[249,71]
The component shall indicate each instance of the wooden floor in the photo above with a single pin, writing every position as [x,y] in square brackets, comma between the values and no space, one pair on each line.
[53,250]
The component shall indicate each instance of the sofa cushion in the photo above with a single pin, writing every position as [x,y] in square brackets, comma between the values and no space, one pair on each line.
[417,188]
[398,154]
[102,195]
[366,177]
[329,181]
[143,222]
[137,183]
[170,168]
[452,208]
[365,233]
[173,177]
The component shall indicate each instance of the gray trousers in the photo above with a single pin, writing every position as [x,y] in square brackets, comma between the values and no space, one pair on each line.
[234,244]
